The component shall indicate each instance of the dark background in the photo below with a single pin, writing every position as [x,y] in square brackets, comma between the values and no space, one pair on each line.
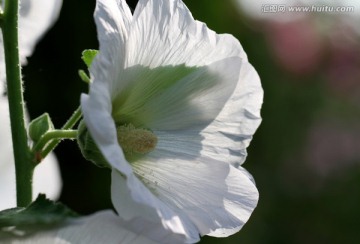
[305,156]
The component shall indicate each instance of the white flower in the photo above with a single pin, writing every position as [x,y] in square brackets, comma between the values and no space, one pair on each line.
[101,227]
[36,16]
[172,107]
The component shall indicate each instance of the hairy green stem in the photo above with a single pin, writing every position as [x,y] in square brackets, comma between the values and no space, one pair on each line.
[23,166]
[75,117]
[54,135]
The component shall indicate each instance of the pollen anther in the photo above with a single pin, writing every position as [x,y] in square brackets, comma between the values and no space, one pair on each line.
[136,140]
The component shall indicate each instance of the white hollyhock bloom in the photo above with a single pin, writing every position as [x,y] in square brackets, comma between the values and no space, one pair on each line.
[36,16]
[172,107]
[101,227]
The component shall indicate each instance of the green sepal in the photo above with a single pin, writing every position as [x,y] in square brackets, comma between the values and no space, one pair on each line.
[88,147]
[39,215]
[88,56]
[40,126]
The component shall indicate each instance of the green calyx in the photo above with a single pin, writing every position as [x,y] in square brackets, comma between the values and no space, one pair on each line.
[88,147]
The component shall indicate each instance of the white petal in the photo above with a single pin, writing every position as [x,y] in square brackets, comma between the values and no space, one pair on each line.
[165,33]
[228,136]
[174,97]
[112,21]
[135,203]
[215,196]
[36,17]
[46,176]
[101,227]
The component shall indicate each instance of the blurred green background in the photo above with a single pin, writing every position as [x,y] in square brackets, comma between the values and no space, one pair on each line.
[305,157]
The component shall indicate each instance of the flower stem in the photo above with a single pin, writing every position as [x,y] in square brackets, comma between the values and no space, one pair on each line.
[75,117]
[23,166]
[54,135]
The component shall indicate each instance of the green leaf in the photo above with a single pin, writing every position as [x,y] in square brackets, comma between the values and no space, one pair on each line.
[88,56]
[40,126]
[41,214]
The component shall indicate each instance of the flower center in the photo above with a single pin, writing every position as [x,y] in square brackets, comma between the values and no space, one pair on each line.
[136,140]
